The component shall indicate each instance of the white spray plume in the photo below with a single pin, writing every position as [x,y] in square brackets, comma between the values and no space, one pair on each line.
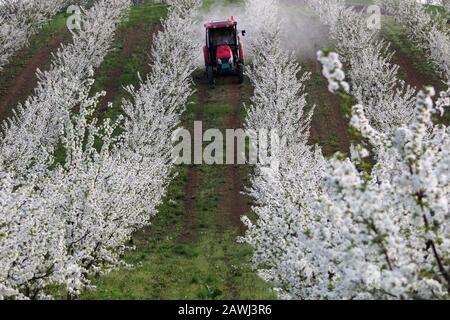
[302,34]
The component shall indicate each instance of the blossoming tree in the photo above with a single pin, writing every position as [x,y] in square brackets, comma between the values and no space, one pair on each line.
[76,216]
[373,76]
[19,19]
[426,29]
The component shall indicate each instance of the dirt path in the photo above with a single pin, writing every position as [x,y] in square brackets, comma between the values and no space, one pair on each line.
[14,89]
[130,41]
[189,229]
[234,203]
[409,70]
[329,128]
[190,251]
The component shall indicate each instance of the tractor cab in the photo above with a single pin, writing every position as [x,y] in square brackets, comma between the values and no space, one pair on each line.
[223,51]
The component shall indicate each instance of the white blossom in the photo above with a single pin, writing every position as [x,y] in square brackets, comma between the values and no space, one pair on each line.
[375,83]
[357,234]
[19,19]
[426,29]
[85,208]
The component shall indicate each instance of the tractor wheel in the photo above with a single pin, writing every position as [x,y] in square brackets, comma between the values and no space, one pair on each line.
[210,74]
[241,73]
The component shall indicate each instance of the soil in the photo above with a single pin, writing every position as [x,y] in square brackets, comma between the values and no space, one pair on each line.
[130,39]
[329,128]
[189,229]
[234,204]
[408,68]
[15,88]
[329,120]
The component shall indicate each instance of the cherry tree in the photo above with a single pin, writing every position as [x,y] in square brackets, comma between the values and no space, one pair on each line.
[36,125]
[19,19]
[27,148]
[31,240]
[362,234]
[330,229]
[428,30]
[109,184]
[393,230]
[154,109]
[374,77]
[282,186]
[111,193]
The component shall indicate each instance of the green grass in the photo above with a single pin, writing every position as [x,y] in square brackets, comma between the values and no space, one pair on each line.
[146,17]
[204,268]
[397,34]
[209,4]
[147,13]
[212,265]
[36,42]
[21,59]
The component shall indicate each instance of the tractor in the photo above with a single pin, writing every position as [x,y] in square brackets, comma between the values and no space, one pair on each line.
[224,51]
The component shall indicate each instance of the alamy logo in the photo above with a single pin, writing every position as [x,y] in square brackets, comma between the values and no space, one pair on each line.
[74,20]
[374,20]
[234,146]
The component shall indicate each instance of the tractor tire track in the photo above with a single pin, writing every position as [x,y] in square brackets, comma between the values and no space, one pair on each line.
[190,227]
[233,204]
[413,76]
[329,128]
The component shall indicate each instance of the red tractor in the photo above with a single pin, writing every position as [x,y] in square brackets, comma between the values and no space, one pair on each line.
[224,51]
